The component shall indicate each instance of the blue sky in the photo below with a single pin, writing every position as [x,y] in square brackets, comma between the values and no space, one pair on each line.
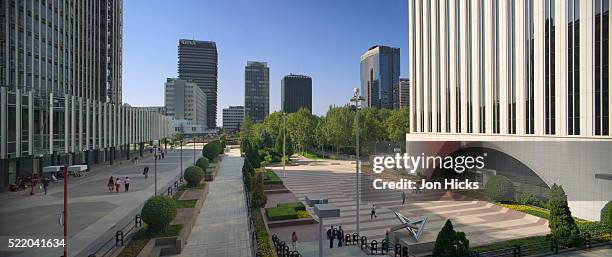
[319,38]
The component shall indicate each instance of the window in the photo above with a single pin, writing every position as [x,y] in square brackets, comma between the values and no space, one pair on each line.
[549,69]
[601,87]
[573,64]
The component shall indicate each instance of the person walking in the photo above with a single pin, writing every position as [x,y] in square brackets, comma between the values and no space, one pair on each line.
[45,184]
[330,235]
[373,213]
[145,172]
[117,185]
[340,235]
[294,240]
[403,197]
[163,154]
[111,184]
[126,183]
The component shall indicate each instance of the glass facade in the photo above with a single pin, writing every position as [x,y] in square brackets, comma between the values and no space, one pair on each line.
[379,71]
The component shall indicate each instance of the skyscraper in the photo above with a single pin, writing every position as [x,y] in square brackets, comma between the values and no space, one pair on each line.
[198,62]
[60,88]
[232,118]
[380,71]
[296,93]
[257,90]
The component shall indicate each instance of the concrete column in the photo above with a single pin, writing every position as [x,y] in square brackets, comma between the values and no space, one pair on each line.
[72,124]
[464,63]
[427,63]
[51,123]
[521,61]
[87,123]
[417,81]
[3,122]
[435,64]
[444,80]
[30,123]
[476,64]
[504,65]
[490,71]
[453,65]
[587,113]
[18,107]
[539,15]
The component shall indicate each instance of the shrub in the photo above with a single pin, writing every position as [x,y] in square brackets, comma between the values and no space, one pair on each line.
[272,178]
[280,213]
[303,214]
[500,188]
[158,212]
[193,175]
[202,163]
[212,149]
[450,243]
[606,214]
[529,199]
[561,223]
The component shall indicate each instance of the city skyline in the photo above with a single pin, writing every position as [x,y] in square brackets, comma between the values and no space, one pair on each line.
[337,39]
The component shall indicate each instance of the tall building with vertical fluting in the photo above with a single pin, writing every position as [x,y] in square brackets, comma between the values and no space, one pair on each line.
[257,90]
[198,62]
[296,93]
[379,73]
[61,90]
[529,70]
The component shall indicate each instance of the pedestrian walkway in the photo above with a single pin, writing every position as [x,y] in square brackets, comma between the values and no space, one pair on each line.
[222,226]
[94,212]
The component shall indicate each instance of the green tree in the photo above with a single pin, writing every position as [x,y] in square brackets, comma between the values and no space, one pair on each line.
[561,223]
[606,214]
[300,126]
[500,188]
[372,125]
[450,243]
[203,163]
[193,175]
[339,122]
[158,212]
[398,124]
[245,127]
[274,124]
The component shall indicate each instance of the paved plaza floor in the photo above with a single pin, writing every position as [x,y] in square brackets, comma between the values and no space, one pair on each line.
[94,213]
[221,228]
[483,222]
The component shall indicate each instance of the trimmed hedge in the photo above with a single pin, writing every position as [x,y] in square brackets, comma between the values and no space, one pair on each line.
[212,149]
[500,188]
[193,175]
[203,163]
[298,206]
[606,214]
[281,213]
[271,178]
[158,212]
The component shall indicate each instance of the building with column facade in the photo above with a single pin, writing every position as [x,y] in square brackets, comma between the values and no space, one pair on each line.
[379,73]
[496,71]
[257,90]
[296,93]
[60,88]
[198,61]
[184,100]
[232,118]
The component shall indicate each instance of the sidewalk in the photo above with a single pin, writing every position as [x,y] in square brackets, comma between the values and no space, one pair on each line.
[222,226]
[94,213]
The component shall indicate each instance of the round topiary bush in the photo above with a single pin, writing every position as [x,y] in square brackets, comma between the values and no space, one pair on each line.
[500,188]
[606,214]
[202,163]
[193,175]
[158,212]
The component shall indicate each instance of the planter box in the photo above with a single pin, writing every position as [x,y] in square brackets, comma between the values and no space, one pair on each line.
[293,222]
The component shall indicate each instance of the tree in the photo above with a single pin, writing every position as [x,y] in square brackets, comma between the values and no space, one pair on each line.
[450,243]
[500,188]
[339,122]
[193,175]
[561,223]
[158,212]
[300,126]
[245,127]
[606,214]
[203,163]
[398,124]
[274,124]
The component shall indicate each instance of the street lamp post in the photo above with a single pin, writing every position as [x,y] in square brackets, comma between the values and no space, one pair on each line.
[194,155]
[155,169]
[284,138]
[357,99]
[32,178]
[181,177]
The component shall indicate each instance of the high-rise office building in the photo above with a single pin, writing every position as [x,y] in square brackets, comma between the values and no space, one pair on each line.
[401,94]
[198,61]
[60,88]
[380,71]
[257,90]
[296,93]
[184,100]
[232,118]
[527,71]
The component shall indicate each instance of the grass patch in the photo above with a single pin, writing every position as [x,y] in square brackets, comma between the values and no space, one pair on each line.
[532,210]
[281,213]
[185,203]
[263,239]
[303,214]
[270,177]
[313,155]
[142,237]
[297,206]
[524,242]
[202,185]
